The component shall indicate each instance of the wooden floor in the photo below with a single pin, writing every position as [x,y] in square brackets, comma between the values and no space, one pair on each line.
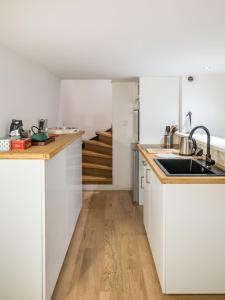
[109,257]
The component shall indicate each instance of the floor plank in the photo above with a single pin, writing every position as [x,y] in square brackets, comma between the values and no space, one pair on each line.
[109,257]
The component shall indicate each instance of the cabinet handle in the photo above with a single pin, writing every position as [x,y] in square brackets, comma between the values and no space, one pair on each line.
[144,163]
[142,177]
[147,176]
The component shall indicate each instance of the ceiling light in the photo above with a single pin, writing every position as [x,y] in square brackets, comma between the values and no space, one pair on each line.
[207,68]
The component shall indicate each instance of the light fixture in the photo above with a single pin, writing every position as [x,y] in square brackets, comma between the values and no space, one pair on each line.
[207,68]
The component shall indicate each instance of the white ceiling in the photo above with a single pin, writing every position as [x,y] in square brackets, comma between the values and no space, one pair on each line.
[117,38]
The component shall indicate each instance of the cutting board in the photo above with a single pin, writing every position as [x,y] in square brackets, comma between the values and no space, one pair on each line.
[162,150]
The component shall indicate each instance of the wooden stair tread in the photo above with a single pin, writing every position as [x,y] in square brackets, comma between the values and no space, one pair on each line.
[96,166]
[105,133]
[87,178]
[97,159]
[97,143]
[96,154]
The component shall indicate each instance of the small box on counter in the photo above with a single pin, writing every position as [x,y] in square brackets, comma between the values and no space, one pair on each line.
[21,144]
[5,144]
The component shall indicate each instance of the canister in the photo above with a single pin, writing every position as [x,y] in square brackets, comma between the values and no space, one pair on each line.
[5,144]
[168,141]
[21,144]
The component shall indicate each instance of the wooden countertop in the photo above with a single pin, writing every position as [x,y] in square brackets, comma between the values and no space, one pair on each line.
[43,152]
[172,179]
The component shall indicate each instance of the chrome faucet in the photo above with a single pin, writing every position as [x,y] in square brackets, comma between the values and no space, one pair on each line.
[208,161]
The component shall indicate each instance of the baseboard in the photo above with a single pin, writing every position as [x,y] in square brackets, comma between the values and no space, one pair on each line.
[105,187]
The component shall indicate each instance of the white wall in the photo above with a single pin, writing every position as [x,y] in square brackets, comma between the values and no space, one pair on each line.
[87,104]
[205,98]
[159,106]
[124,95]
[27,92]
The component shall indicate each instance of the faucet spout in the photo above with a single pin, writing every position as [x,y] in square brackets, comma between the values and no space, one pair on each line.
[209,161]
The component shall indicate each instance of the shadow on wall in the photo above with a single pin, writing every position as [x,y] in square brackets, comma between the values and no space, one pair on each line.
[87,104]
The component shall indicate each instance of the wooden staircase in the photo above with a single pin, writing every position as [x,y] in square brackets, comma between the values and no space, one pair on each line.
[97,159]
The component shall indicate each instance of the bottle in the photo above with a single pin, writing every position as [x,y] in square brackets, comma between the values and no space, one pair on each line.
[187,123]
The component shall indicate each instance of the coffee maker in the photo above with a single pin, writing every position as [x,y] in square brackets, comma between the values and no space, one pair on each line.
[16,128]
[43,125]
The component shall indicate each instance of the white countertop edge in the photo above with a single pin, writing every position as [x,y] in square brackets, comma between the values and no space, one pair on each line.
[217,143]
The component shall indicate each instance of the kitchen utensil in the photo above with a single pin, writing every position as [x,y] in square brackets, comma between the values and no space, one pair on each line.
[161,150]
[39,137]
[42,125]
[40,133]
[187,146]
[168,137]
[16,127]
[168,141]
[63,130]
[167,130]
[173,128]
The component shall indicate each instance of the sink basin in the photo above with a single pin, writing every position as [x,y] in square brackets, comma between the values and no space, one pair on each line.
[187,167]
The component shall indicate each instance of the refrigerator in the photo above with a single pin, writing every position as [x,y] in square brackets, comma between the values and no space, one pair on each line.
[135,153]
[157,105]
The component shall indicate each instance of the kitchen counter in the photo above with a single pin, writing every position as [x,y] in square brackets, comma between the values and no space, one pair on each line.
[43,152]
[185,225]
[41,198]
[171,179]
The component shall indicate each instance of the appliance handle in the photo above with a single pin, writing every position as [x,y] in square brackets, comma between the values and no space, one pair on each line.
[148,175]
[142,187]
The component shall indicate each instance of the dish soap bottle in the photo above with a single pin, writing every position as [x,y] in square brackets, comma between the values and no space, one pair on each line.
[187,123]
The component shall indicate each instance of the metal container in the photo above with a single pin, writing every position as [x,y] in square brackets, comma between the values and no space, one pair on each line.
[187,146]
[43,125]
[168,141]
[5,144]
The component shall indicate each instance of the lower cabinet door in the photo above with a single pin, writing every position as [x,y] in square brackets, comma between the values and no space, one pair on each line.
[142,165]
[156,226]
[147,202]
[154,220]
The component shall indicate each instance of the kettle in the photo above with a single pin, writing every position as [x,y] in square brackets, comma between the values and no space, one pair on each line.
[40,133]
[187,146]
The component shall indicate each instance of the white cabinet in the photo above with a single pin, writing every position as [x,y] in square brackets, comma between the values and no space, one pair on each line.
[153,218]
[124,94]
[194,244]
[185,226]
[62,205]
[142,165]
[159,106]
[156,225]
[147,201]
[39,207]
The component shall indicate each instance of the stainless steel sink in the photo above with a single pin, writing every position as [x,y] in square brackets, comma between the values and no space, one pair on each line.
[187,167]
